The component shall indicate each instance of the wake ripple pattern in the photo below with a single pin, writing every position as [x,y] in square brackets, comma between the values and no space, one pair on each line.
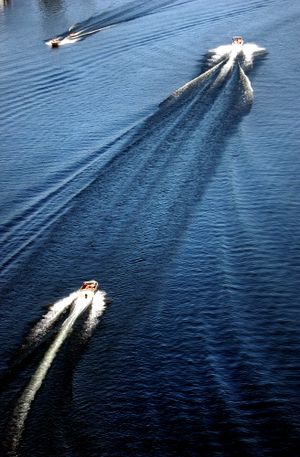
[107,19]
[220,62]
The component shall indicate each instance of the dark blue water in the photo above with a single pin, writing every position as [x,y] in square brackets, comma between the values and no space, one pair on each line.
[187,215]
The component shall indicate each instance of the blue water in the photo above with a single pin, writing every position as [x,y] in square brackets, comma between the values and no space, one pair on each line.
[187,214]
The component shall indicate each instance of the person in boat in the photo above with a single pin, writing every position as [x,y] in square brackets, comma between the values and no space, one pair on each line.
[237,40]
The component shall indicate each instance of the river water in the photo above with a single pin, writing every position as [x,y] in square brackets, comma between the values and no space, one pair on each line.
[186,212]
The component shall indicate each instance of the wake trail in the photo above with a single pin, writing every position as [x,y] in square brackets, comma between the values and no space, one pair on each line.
[37,336]
[193,101]
[96,310]
[107,19]
[175,109]
[193,115]
[248,89]
[192,120]
[50,318]
[220,62]
[81,303]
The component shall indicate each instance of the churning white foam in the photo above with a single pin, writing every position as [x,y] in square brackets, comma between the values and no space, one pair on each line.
[248,51]
[55,310]
[221,61]
[95,312]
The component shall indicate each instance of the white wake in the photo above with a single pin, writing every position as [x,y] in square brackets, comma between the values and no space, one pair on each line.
[49,319]
[80,303]
[221,61]
[248,51]
[73,37]
[95,312]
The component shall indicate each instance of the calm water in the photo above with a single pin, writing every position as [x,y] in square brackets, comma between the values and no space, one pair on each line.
[187,215]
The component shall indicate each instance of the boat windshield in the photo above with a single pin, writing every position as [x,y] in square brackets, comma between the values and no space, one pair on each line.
[89,285]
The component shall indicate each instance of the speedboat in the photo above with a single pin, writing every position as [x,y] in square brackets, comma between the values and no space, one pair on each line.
[89,286]
[88,290]
[237,40]
[55,42]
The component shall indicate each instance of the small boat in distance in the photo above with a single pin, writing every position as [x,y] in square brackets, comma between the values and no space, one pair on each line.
[56,42]
[237,40]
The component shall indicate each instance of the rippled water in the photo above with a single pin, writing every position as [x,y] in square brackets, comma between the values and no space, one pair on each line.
[185,211]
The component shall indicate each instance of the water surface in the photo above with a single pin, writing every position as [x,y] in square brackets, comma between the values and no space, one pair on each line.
[186,214]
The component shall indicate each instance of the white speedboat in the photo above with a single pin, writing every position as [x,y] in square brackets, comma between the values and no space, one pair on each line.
[88,289]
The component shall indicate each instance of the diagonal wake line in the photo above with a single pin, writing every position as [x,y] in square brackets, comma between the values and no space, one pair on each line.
[50,318]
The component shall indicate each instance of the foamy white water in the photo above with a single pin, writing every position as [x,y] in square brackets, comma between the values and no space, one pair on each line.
[248,51]
[248,90]
[55,311]
[85,33]
[81,303]
[226,67]
[221,61]
[66,40]
[96,310]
